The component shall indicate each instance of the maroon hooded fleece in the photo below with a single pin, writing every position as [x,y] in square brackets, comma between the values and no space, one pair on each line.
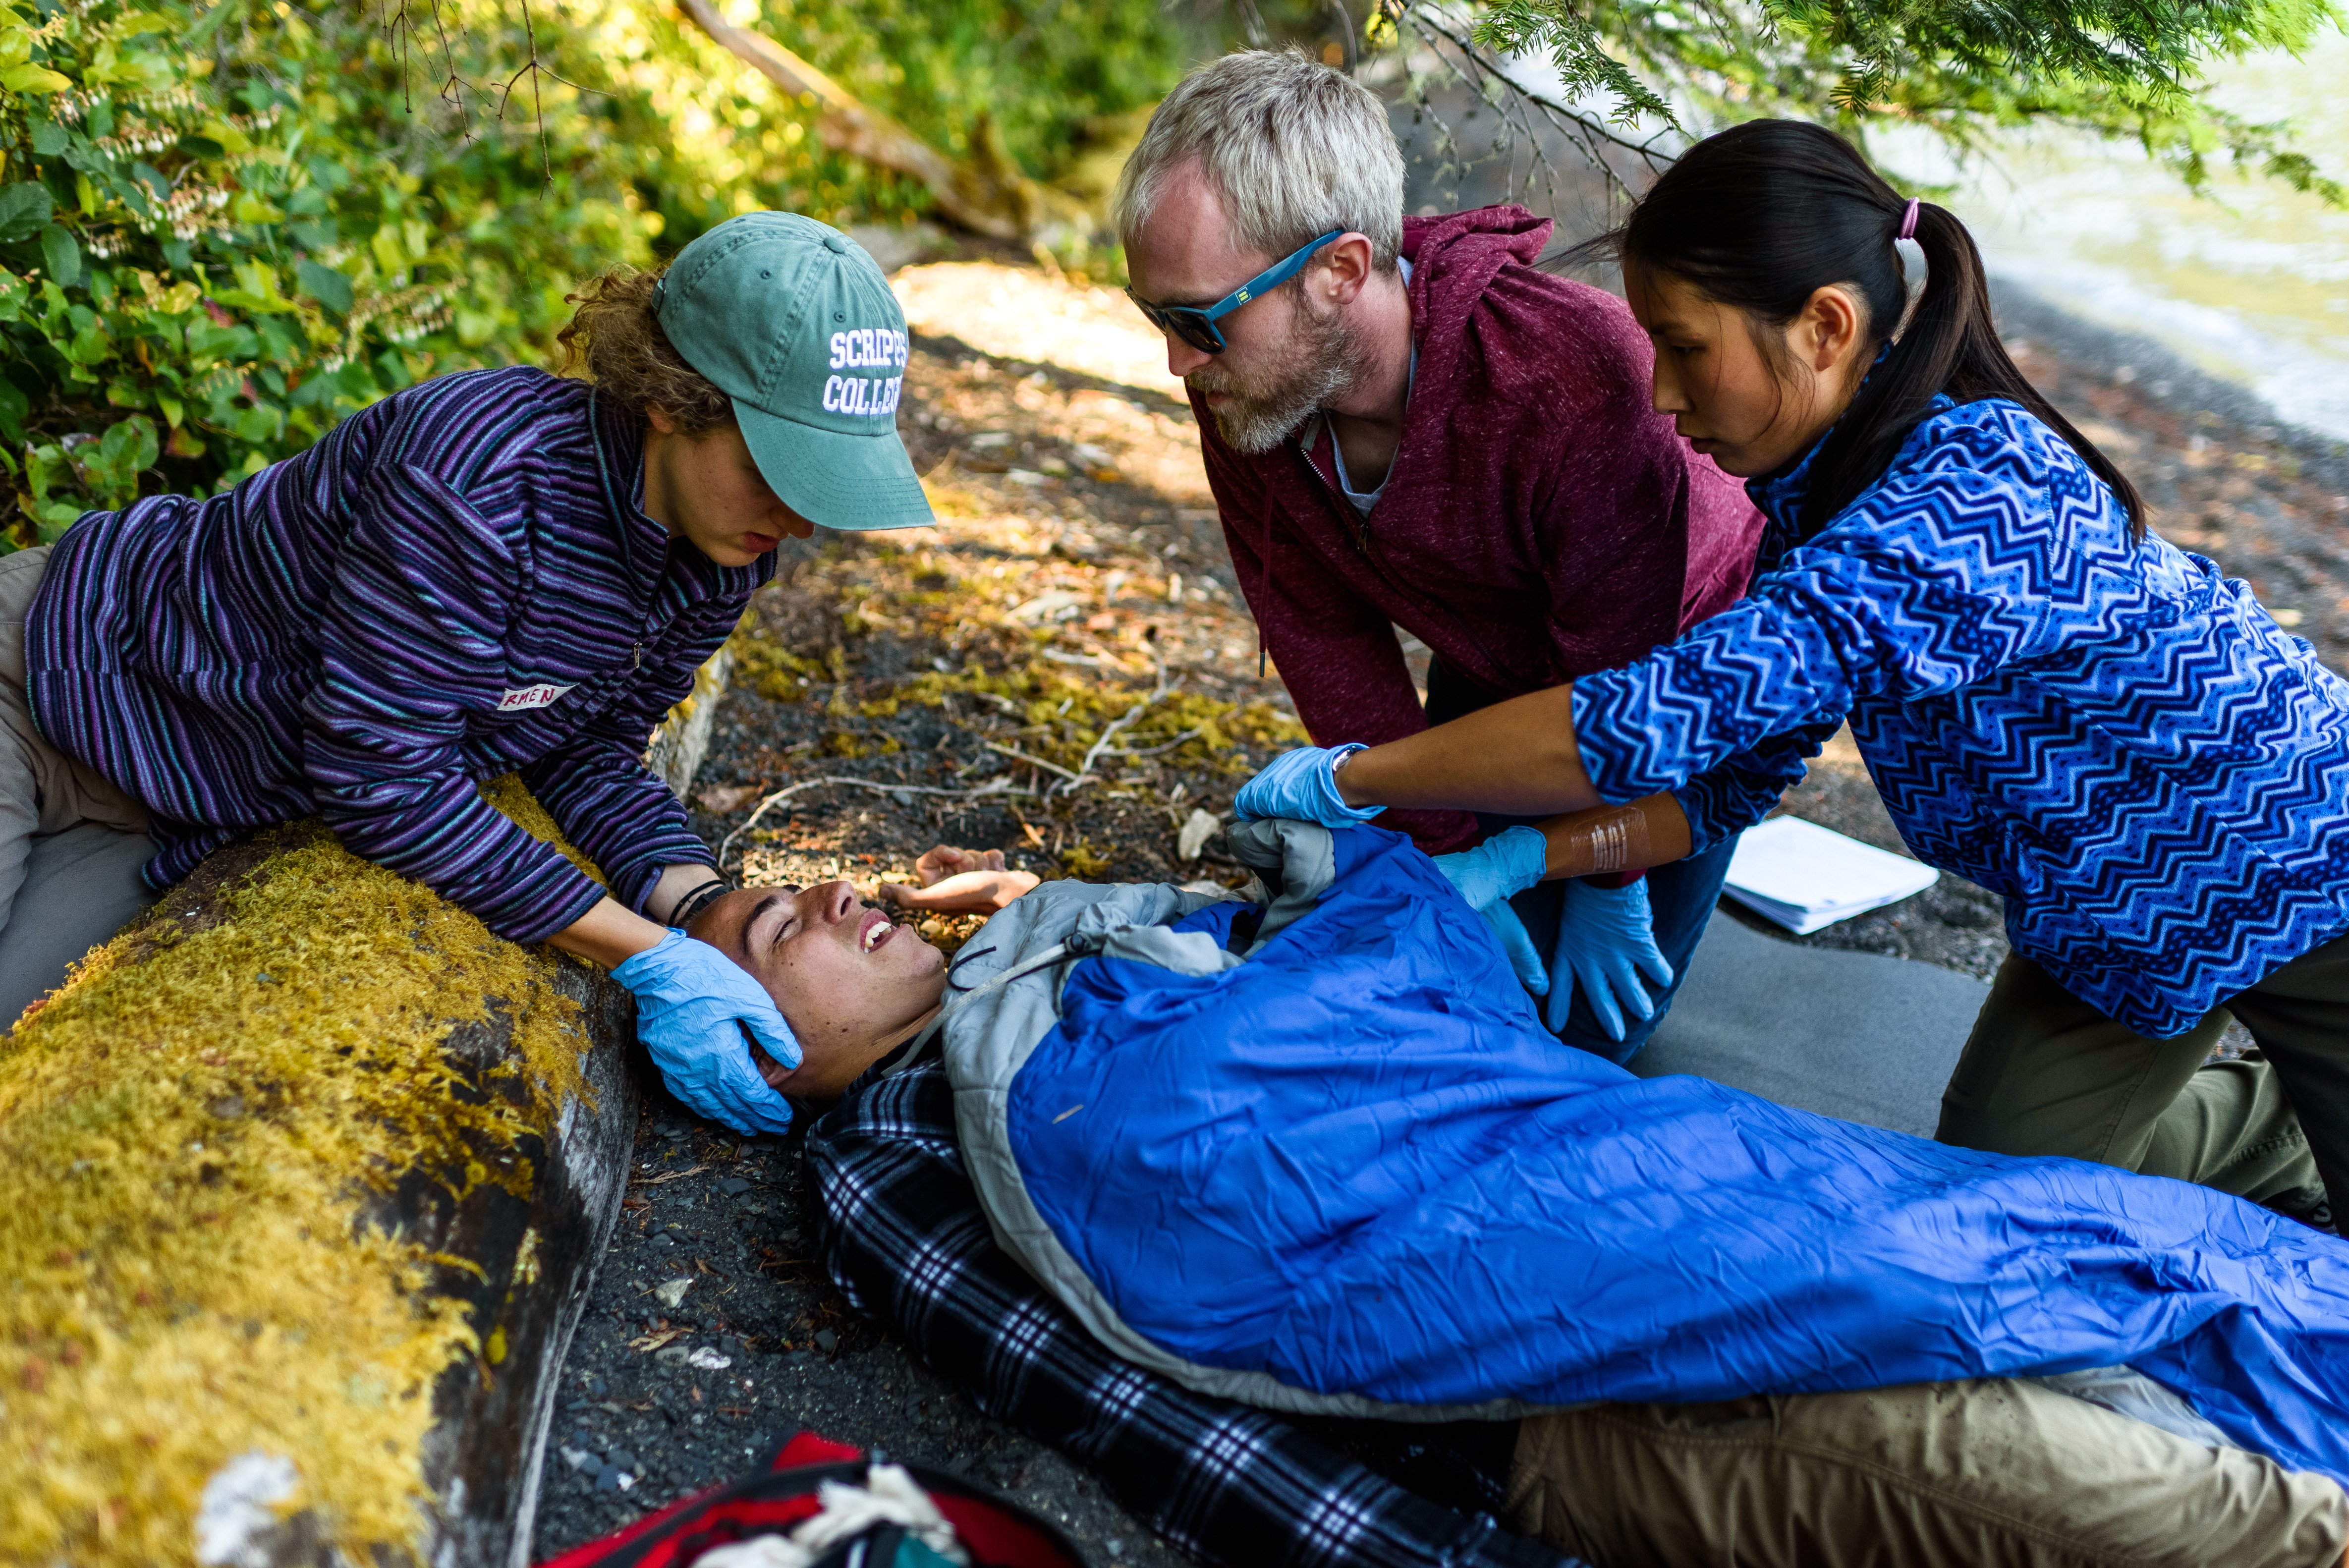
[1539,522]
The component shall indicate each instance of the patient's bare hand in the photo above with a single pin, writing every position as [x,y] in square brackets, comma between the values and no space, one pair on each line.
[946,861]
[959,881]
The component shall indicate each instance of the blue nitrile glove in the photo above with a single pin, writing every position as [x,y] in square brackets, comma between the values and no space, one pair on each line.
[692,1003]
[1299,784]
[1505,863]
[1606,941]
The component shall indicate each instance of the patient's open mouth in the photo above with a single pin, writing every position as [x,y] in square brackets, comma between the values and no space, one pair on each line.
[878,930]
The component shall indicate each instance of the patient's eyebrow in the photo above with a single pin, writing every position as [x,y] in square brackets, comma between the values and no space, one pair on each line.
[743,933]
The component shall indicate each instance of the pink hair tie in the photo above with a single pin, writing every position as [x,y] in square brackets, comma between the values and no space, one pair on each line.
[1909,221]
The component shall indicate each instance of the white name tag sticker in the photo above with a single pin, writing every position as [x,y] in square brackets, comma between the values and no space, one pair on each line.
[538,696]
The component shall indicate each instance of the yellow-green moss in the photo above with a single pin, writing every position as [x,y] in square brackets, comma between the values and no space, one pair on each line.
[766,667]
[1082,860]
[188,1140]
[1066,713]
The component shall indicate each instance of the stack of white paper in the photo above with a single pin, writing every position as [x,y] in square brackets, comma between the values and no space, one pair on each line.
[1806,877]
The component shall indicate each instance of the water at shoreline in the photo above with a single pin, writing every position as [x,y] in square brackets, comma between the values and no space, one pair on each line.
[2251,284]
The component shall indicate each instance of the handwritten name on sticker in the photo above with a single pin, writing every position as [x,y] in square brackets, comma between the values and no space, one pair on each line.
[538,696]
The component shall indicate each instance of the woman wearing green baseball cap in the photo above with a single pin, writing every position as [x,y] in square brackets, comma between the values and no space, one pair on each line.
[496,571]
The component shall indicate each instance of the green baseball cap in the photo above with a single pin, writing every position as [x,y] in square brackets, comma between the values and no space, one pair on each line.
[795,324]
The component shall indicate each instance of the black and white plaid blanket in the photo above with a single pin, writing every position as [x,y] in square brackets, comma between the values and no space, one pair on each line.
[903,1238]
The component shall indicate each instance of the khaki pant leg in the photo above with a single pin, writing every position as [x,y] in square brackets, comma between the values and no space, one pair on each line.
[1988,1473]
[81,886]
[2299,1016]
[70,792]
[64,825]
[2046,1073]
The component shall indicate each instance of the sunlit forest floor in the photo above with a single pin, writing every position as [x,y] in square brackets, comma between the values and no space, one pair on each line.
[1063,668]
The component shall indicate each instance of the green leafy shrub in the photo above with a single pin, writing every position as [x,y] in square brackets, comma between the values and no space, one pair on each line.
[222,230]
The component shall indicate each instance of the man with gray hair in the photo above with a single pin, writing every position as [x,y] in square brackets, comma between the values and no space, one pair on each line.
[1407,424]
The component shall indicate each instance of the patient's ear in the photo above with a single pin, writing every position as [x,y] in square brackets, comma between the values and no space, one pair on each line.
[786,1081]
[780,1079]
[773,1071]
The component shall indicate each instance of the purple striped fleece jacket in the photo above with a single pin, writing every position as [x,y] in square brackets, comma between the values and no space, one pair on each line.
[364,631]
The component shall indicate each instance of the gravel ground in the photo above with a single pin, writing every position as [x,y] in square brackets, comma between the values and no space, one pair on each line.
[665,1394]
[1077,573]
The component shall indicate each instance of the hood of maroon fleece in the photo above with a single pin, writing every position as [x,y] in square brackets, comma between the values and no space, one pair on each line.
[1507,234]
[1454,257]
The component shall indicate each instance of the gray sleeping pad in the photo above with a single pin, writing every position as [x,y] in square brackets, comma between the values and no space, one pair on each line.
[1851,1035]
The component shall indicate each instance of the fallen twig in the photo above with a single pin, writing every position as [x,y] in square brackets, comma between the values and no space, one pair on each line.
[669,1176]
[1031,761]
[1084,773]
[1109,733]
[1190,734]
[999,786]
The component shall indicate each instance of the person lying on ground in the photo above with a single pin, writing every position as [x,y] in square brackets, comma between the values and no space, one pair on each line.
[1317,1155]
[1231,1484]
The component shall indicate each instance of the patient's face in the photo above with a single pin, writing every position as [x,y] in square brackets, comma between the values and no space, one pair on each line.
[846,979]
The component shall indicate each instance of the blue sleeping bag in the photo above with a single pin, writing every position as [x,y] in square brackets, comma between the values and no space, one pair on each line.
[1352,1168]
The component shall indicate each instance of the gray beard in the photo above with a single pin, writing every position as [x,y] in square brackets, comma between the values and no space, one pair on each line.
[1322,361]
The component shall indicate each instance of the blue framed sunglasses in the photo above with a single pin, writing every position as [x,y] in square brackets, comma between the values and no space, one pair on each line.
[1196,325]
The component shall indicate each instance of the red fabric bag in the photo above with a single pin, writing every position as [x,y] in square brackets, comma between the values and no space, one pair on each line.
[997,1533]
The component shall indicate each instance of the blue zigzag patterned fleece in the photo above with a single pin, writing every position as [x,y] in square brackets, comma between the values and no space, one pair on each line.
[2112,736]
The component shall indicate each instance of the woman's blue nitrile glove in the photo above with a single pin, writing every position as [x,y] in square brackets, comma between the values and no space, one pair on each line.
[1299,784]
[692,1005]
[1606,941]
[1505,863]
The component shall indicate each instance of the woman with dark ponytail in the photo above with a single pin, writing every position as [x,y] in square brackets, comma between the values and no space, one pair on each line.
[2053,702]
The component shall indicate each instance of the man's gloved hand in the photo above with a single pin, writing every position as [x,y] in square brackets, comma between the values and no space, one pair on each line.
[1299,784]
[692,1005]
[1606,941]
[1505,863]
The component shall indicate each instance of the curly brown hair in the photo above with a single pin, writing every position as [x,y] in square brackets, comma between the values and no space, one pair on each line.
[617,342]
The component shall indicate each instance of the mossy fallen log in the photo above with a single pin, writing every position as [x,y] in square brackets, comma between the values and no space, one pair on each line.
[674,752]
[306,1176]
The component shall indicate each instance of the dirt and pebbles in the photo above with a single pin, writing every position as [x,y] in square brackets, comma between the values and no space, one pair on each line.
[968,676]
